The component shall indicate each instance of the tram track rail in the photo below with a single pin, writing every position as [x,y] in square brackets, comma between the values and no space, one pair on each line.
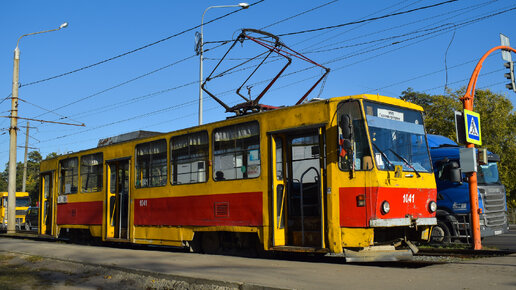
[462,252]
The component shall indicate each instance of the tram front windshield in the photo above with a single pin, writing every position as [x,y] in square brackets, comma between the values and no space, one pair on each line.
[398,138]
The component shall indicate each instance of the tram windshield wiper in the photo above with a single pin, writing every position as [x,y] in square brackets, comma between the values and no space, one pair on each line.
[406,161]
[384,155]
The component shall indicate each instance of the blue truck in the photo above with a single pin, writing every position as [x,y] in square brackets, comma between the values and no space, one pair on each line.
[453,206]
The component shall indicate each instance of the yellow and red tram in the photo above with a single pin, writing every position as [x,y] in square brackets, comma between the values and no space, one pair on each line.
[348,174]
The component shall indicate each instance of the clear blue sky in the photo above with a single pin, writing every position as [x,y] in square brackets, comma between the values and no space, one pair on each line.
[384,57]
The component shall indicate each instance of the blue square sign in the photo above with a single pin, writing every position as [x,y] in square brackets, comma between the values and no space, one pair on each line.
[472,126]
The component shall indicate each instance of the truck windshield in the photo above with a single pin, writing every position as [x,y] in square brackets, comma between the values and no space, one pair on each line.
[22,202]
[398,137]
[488,174]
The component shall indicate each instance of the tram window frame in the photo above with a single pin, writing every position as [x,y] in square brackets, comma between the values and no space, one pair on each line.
[362,148]
[74,176]
[93,171]
[194,151]
[146,166]
[238,145]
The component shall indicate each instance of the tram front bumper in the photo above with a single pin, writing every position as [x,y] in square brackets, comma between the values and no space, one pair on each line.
[402,222]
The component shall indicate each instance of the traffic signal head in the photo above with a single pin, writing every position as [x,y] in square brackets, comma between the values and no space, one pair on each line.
[510,75]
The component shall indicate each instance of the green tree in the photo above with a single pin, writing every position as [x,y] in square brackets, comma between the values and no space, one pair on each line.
[498,125]
[34,159]
[51,155]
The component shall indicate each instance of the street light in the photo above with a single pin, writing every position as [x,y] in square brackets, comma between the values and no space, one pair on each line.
[200,43]
[11,188]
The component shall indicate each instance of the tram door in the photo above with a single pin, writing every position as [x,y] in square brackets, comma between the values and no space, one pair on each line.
[117,207]
[47,204]
[278,190]
[298,204]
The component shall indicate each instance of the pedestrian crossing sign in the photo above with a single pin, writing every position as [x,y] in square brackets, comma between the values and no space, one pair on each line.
[472,125]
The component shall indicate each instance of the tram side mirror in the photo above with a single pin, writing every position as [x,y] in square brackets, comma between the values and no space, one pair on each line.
[346,126]
[346,144]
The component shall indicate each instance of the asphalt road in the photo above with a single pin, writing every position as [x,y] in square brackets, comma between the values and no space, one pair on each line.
[502,242]
[495,273]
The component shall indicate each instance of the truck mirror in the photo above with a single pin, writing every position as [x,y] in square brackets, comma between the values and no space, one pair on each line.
[345,126]
[454,173]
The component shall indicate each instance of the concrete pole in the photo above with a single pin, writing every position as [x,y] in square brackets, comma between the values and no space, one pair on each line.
[11,188]
[24,184]
[200,71]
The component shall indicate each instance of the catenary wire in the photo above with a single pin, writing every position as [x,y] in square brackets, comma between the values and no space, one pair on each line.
[134,50]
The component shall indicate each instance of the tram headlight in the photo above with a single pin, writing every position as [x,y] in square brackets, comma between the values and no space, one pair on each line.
[386,207]
[432,206]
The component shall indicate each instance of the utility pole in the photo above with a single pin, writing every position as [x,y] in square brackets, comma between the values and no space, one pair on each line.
[11,187]
[24,184]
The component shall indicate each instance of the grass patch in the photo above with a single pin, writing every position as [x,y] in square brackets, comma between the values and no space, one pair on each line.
[33,259]
[5,258]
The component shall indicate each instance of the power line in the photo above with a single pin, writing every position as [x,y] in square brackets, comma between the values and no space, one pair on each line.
[160,110]
[461,10]
[422,35]
[467,79]
[134,50]
[299,14]
[121,84]
[367,20]
[356,27]
[49,111]
[388,45]
[159,69]
[133,100]
[223,42]
[126,82]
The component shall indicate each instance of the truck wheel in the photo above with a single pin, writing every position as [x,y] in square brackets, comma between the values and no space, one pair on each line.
[440,234]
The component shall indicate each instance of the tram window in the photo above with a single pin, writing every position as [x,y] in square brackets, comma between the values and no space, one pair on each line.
[236,152]
[91,172]
[359,144]
[69,176]
[151,164]
[188,158]
[279,159]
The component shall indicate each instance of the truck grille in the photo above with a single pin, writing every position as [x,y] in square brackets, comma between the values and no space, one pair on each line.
[494,205]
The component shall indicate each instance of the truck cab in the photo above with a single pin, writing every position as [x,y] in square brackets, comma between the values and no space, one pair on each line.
[453,204]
